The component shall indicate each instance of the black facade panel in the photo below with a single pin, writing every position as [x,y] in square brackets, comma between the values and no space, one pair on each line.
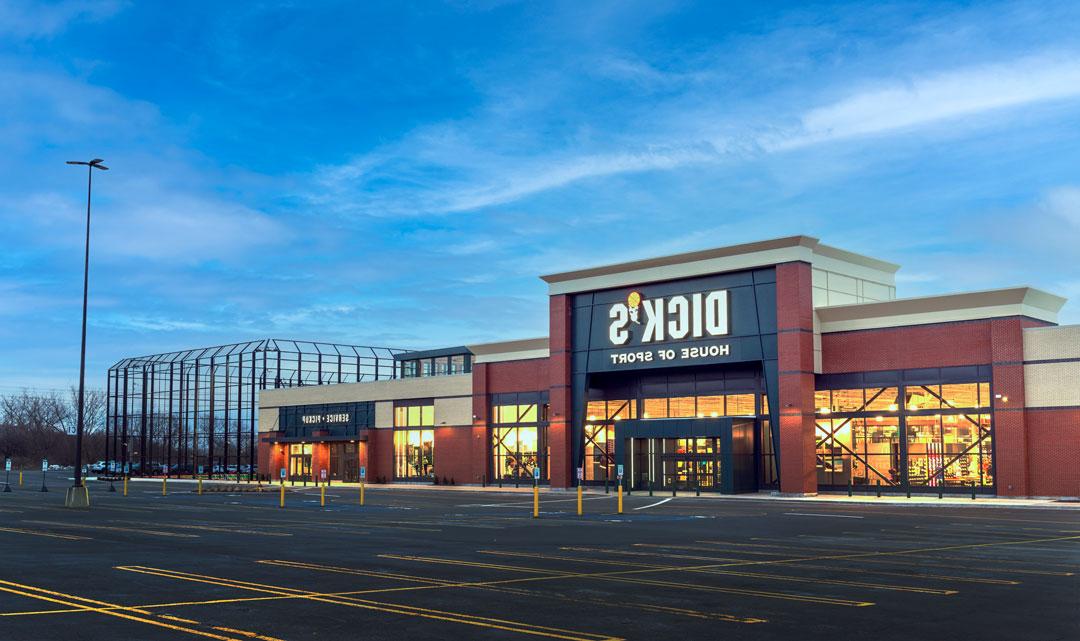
[744,360]
[339,419]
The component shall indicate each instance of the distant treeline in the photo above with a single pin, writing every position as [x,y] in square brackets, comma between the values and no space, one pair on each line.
[36,425]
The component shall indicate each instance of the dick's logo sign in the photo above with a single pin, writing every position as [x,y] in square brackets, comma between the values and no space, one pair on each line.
[670,318]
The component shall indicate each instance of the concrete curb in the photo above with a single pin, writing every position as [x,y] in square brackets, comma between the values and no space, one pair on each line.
[820,499]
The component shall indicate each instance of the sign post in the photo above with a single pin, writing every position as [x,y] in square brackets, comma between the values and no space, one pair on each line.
[44,467]
[536,492]
[620,475]
[363,475]
[281,493]
[7,475]
[580,478]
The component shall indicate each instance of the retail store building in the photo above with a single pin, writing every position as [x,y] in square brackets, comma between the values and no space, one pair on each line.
[784,364]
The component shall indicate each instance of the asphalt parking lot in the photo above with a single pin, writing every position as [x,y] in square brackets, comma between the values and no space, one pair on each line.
[428,564]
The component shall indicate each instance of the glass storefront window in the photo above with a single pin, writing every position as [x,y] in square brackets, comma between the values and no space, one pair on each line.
[922,397]
[515,452]
[502,414]
[681,407]
[882,399]
[655,408]
[960,396]
[925,454]
[858,451]
[710,406]
[741,405]
[414,454]
[610,410]
[822,401]
[414,415]
[847,400]
[599,452]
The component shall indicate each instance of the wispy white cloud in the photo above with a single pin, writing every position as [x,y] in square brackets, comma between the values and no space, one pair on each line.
[1063,203]
[891,106]
[29,19]
[144,323]
[448,168]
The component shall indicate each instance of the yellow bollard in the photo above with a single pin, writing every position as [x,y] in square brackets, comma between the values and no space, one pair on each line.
[620,498]
[281,502]
[322,496]
[125,486]
[536,501]
[361,494]
[579,498]
[200,487]
[20,478]
[163,491]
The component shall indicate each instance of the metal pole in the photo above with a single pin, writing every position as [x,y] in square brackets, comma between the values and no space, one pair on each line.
[80,421]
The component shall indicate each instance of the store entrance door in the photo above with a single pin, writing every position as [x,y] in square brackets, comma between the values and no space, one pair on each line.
[344,462]
[709,455]
[300,461]
[682,464]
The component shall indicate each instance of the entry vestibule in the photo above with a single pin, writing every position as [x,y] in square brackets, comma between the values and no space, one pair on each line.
[715,454]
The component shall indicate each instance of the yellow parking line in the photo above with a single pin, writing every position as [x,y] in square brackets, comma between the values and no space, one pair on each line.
[615,576]
[85,526]
[176,618]
[842,569]
[209,528]
[245,633]
[394,608]
[52,597]
[932,561]
[51,535]
[634,605]
[754,575]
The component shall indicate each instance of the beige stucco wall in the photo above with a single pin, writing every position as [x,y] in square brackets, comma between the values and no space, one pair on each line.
[1052,384]
[452,394]
[453,411]
[847,285]
[397,389]
[268,419]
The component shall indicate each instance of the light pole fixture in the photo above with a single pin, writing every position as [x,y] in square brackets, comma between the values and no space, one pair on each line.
[77,495]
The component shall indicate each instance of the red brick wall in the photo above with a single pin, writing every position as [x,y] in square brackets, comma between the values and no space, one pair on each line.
[459,454]
[1054,435]
[795,336]
[518,376]
[559,425]
[271,457]
[380,454]
[320,460]
[914,347]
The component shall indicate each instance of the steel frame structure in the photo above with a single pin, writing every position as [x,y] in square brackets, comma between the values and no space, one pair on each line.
[195,411]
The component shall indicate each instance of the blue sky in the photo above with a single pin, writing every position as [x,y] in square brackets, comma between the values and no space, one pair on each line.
[399,173]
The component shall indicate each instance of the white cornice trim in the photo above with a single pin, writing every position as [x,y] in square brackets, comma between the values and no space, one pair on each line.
[924,310]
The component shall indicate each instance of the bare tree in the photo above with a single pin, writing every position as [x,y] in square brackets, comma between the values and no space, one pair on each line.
[36,425]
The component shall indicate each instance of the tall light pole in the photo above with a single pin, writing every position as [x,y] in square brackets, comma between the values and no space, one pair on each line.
[75,497]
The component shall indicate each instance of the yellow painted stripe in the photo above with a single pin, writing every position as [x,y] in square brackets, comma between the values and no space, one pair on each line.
[51,535]
[84,526]
[517,627]
[633,605]
[32,592]
[615,576]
